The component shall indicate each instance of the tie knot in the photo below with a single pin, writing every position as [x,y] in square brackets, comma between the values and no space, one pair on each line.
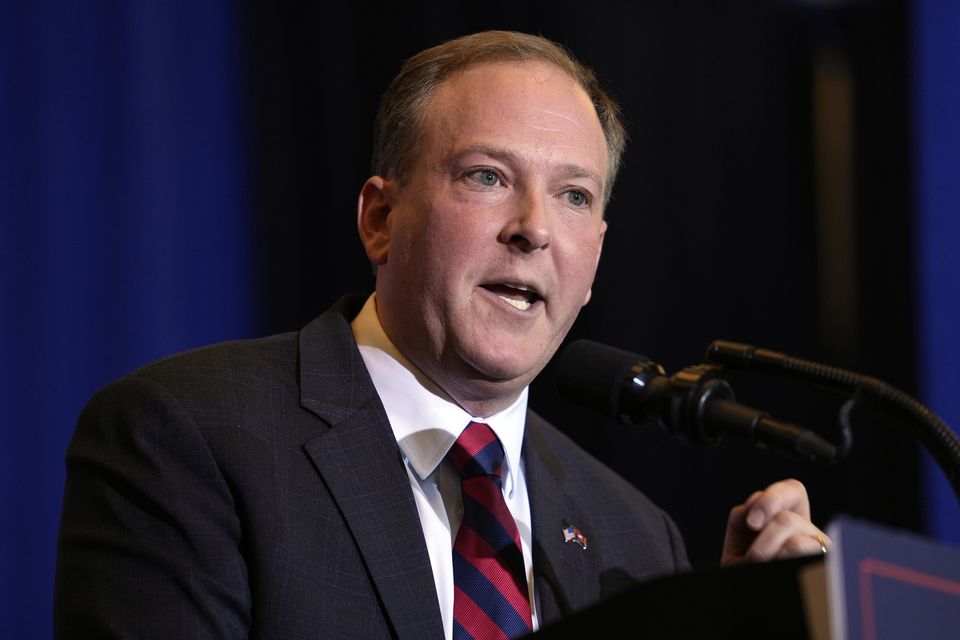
[477,452]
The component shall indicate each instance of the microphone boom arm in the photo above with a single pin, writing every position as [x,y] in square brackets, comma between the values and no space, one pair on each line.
[935,435]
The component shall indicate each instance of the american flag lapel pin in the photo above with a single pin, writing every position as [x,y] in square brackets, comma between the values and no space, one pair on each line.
[572,534]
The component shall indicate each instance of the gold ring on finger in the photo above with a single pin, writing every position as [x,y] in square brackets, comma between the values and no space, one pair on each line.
[823,544]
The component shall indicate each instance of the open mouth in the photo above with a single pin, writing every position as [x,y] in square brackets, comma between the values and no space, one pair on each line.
[518,296]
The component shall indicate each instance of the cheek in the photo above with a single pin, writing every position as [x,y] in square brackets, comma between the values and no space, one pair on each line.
[457,241]
[577,260]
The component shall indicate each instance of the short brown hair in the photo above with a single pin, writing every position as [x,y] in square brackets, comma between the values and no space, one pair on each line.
[399,123]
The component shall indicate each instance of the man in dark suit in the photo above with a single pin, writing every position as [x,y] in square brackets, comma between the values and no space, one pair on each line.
[302,485]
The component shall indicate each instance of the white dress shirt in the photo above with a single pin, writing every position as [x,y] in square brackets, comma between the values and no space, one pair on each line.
[426,422]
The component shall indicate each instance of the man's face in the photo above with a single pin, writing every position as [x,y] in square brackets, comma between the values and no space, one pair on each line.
[488,250]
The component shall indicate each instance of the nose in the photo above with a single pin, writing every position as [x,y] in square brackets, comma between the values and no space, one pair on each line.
[528,225]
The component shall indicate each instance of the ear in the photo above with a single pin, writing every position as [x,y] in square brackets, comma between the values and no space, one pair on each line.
[603,233]
[373,217]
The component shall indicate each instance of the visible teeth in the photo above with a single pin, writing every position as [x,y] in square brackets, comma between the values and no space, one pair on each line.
[523,305]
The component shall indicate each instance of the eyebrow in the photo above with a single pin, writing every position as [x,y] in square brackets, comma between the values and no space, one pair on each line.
[504,155]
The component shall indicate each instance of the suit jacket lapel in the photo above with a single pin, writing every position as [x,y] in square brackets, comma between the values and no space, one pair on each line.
[360,462]
[565,574]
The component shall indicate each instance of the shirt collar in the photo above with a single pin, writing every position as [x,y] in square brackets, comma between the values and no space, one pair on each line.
[424,419]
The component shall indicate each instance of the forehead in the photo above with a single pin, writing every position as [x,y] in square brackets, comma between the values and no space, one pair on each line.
[530,106]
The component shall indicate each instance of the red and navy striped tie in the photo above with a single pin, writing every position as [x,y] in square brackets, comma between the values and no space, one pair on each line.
[490,587]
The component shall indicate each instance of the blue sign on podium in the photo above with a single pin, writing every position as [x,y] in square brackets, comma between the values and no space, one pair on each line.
[884,584]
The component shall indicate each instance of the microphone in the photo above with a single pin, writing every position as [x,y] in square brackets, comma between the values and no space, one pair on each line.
[694,404]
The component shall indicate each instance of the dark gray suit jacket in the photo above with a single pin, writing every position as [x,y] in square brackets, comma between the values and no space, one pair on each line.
[255,489]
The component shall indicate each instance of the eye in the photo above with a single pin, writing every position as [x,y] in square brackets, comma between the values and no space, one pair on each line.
[577,198]
[484,177]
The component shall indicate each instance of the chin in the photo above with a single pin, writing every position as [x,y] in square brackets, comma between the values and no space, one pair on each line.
[502,362]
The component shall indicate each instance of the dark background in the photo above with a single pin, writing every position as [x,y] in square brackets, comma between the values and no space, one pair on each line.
[178,173]
[714,227]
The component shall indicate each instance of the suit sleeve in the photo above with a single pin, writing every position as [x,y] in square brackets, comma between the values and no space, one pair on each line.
[150,541]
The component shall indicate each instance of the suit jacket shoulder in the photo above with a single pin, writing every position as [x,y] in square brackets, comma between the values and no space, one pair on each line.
[248,489]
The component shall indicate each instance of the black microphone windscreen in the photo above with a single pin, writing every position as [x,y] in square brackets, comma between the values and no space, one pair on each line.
[592,375]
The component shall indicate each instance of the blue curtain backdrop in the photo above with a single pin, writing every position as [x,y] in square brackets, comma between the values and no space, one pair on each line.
[124,232]
[936,91]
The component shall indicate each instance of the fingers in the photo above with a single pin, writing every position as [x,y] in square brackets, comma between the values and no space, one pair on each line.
[739,520]
[772,524]
[786,495]
[786,535]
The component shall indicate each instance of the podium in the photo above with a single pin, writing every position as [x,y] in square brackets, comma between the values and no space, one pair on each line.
[876,583]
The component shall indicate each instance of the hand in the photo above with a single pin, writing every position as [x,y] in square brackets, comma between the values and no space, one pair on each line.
[772,524]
